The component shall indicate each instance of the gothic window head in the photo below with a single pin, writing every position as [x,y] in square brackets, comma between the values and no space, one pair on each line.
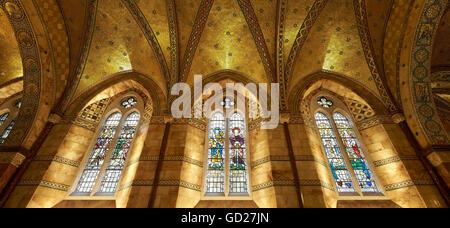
[107,158]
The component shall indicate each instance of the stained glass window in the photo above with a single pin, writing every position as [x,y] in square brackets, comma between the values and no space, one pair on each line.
[338,167]
[324,102]
[97,156]
[215,176]
[7,131]
[3,118]
[129,103]
[355,154]
[119,155]
[237,148]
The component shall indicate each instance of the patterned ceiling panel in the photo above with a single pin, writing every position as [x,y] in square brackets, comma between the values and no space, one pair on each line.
[118,45]
[334,45]
[227,43]
[10,60]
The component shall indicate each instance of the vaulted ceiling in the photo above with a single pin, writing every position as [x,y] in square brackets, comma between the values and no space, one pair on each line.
[10,60]
[264,40]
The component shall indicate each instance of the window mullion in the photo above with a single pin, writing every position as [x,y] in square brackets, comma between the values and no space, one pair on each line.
[227,159]
[108,157]
[346,158]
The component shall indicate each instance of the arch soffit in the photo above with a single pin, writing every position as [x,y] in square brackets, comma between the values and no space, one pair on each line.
[119,84]
[335,84]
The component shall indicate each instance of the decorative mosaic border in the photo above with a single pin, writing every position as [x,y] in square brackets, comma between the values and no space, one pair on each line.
[395,159]
[281,19]
[174,47]
[291,183]
[140,18]
[374,121]
[197,123]
[80,122]
[302,35]
[275,158]
[166,183]
[366,41]
[194,39]
[29,51]
[91,16]
[258,37]
[408,183]
[420,70]
[57,159]
[45,184]
[167,158]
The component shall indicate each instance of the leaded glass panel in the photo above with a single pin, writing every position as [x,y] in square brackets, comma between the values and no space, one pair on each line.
[338,167]
[238,156]
[355,154]
[3,118]
[97,156]
[215,176]
[7,131]
[129,102]
[119,155]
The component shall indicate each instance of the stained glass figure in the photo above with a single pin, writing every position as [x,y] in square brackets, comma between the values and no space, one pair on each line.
[227,103]
[129,103]
[215,176]
[7,131]
[324,102]
[119,155]
[238,155]
[338,167]
[3,118]
[97,156]
[355,154]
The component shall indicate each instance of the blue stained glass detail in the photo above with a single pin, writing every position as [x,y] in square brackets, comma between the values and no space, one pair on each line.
[7,131]
[215,175]
[338,167]
[98,154]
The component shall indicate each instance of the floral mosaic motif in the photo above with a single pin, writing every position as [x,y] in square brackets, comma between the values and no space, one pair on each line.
[420,71]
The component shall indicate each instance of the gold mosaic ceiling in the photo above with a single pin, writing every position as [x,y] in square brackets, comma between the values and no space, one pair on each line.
[226,42]
[10,60]
[121,42]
